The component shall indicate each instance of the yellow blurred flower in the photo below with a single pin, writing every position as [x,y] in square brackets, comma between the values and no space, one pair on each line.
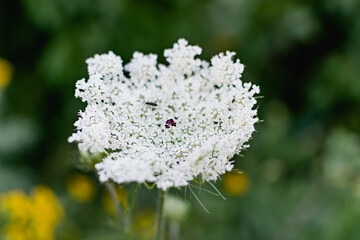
[122,196]
[144,224]
[17,232]
[33,217]
[235,184]
[6,72]
[17,205]
[46,212]
[81,188]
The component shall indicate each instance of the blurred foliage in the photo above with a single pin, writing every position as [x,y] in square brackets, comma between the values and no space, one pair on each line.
[304,160]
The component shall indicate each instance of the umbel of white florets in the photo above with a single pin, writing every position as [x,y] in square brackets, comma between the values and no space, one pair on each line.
[166,124]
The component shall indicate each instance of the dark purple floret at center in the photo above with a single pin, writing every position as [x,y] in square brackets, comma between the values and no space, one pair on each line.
[170,122]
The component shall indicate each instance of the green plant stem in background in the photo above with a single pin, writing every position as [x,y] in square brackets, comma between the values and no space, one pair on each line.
[160,218]
[118,214]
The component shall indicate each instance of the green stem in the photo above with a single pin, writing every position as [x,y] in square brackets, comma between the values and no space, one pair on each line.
[118,214]
[160,218]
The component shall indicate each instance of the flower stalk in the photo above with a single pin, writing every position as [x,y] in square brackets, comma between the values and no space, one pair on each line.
[112,192]
[160,217]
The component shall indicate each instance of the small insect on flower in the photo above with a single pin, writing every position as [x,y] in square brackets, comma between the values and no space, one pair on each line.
[151,104]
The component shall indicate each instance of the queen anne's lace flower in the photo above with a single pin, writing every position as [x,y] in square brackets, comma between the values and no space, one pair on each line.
[165,124]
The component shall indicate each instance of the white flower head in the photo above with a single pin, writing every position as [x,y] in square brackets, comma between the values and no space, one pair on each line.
[166,124]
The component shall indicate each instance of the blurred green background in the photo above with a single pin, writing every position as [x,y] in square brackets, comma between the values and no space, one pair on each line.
[301,175]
